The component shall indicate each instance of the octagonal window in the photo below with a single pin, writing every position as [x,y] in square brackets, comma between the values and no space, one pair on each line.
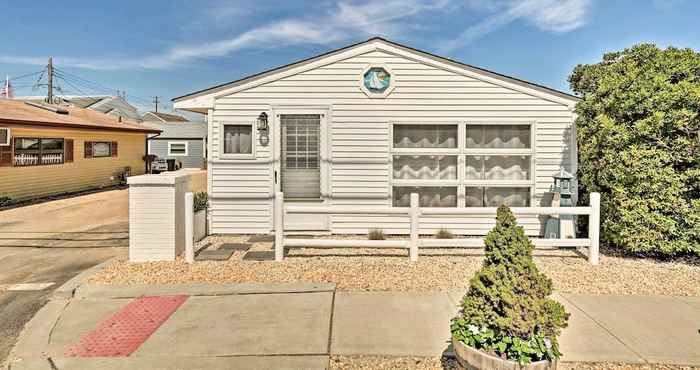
[377,80]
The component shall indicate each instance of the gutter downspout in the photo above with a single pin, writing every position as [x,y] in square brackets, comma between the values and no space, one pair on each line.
[147,145]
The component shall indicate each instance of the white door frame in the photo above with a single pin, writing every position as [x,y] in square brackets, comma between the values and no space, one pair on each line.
[324,160]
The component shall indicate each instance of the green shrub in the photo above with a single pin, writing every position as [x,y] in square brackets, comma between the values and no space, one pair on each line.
[506,310]
[639,146]
[5,201]
[444,234]
[201,201]
[376,234]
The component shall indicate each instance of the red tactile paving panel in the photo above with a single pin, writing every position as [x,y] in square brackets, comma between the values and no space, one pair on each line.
[126,330]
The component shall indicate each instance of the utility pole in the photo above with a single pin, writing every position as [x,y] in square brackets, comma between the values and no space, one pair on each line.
[49,67]
[155,100]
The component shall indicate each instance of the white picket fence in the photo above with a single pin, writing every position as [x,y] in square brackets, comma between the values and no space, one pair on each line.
[414,212]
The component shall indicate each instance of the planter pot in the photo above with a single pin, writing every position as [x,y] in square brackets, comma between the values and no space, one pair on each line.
[469,358]
[200,225]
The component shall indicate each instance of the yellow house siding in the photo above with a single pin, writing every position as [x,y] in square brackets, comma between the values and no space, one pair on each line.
[83,173]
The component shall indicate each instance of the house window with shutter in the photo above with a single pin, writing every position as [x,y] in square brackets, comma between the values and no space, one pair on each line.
[33,151]
[100,149]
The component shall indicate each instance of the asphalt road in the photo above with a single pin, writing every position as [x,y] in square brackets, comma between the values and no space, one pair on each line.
[37,265]
[51,243]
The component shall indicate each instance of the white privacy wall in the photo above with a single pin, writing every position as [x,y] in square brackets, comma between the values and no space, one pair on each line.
[360,161]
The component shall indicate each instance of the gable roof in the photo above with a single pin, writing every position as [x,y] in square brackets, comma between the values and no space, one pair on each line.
[163,117]
[24,113]
[406,50]
[179,130]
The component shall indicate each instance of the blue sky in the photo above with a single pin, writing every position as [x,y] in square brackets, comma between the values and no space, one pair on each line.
[171,48]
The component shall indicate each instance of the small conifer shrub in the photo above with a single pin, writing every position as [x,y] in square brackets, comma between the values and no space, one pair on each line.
[507,311]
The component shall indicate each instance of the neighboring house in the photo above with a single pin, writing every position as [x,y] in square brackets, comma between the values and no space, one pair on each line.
[182,141]
[369,124]
[112,105]
[49,149]
[163,117]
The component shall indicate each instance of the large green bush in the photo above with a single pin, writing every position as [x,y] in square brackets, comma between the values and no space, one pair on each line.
[506,310]
[639,147]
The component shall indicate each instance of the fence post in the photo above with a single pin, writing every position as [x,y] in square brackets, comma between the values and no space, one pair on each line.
[594,229]
[279,226]
[189,227]
[414,214]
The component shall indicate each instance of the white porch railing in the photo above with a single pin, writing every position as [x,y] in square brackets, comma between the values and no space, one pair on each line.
[414,212]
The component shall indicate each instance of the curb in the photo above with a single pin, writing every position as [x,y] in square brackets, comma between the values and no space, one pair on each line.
[68,289]
[118,291]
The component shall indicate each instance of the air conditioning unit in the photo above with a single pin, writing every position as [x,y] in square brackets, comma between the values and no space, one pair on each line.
[5,136]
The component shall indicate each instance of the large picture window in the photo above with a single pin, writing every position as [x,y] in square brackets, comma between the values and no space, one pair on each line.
[465,164]
[38,151]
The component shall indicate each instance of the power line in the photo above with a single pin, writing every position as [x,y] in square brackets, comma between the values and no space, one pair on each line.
[27,75]
[95,86]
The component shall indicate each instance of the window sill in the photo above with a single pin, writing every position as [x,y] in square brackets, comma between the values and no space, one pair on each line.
[236,156]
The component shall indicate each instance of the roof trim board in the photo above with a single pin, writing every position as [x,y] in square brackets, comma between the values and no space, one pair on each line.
[204,98]
[77,126]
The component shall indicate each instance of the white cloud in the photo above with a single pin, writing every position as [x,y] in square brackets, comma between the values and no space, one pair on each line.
[556,16]
[344,21]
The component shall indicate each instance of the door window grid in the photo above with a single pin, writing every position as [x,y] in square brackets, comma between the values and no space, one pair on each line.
[302,144]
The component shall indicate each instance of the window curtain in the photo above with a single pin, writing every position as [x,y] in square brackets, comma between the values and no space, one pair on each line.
[498,136]
[428,196]
[237,139]
[425,167]
[425,136]
[498,167]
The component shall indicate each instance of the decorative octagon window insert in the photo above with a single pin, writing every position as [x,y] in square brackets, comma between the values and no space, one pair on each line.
[377,81]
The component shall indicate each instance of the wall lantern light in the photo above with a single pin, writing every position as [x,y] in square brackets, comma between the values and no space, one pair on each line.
[262,122]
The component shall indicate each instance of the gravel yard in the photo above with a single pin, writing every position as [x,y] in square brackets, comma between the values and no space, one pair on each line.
[390,270]
[428,363]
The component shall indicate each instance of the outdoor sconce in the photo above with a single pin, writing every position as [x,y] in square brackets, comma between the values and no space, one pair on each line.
[262,123]
[263,128]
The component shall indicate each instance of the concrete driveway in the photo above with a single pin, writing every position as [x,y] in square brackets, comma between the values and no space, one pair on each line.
[44,245]
[93,220]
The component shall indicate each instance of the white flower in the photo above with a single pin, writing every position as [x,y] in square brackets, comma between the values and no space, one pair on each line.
[473,329]
[547,343]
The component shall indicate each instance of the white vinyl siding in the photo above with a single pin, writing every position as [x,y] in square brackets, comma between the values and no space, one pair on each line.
[361,168]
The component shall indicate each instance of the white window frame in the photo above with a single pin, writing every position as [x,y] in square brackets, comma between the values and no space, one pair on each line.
[170,149]
[461,152]
[253,141]
[427,151]
[9,136]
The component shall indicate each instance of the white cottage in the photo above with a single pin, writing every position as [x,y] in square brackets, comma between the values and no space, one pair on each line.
[369,124]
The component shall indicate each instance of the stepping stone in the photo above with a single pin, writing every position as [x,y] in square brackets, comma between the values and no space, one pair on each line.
[214,255]
[259,256]
[261,238]
[235,246]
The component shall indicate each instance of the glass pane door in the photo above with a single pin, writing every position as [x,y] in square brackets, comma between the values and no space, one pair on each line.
[301,170]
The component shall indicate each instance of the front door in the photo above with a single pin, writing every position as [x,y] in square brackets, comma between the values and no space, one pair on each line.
[301,162]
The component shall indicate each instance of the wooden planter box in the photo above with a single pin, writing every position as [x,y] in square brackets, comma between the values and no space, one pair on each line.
[472,359]
[200,225]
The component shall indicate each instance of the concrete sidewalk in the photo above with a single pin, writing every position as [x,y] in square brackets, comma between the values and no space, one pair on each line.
[292,326]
